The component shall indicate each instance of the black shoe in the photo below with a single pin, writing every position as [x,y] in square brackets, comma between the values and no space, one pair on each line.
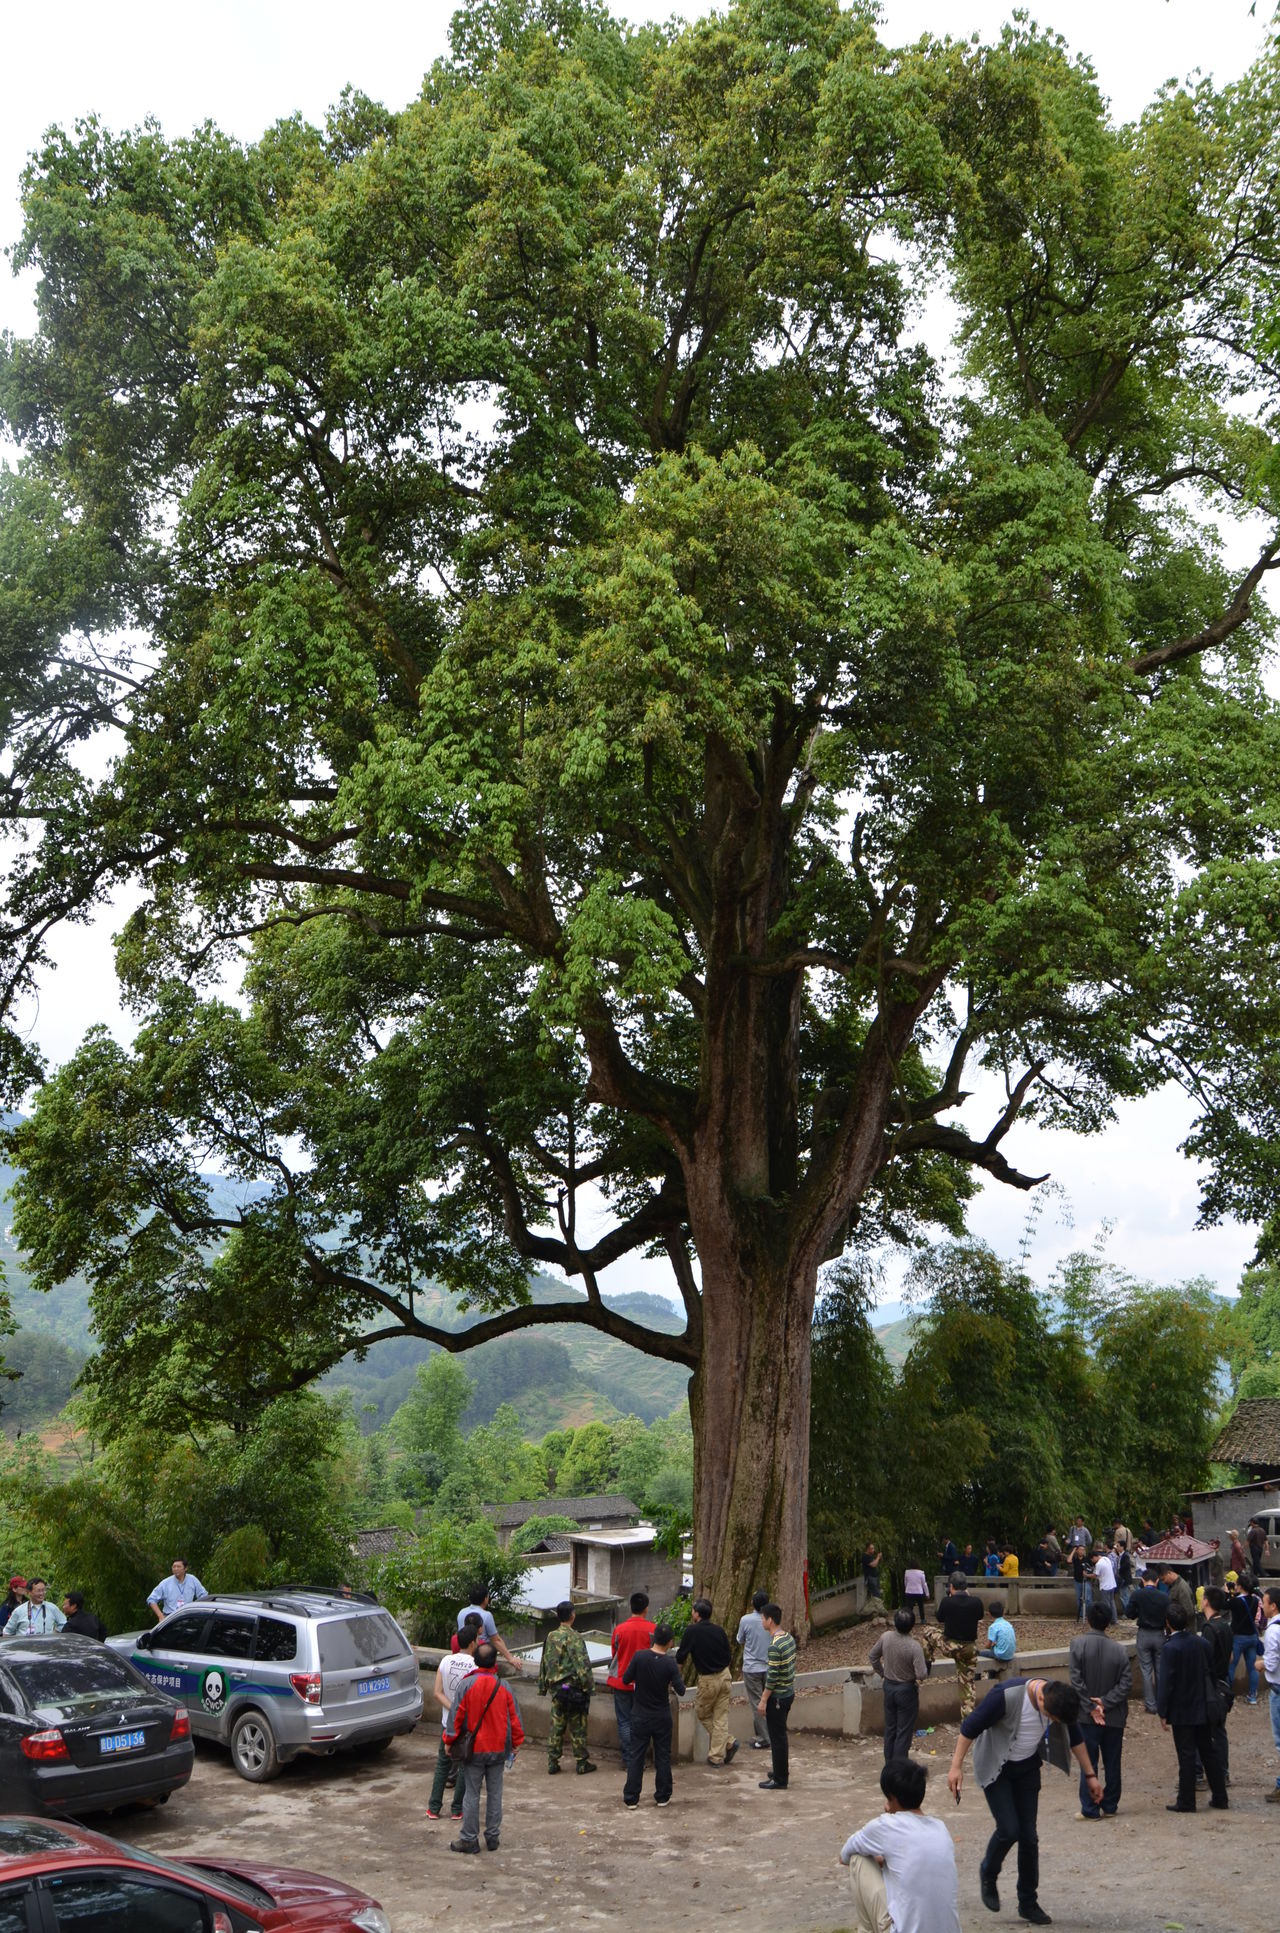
[730,1750]
[759,1744]
[586,1765]
[1034,1914]
[459,1845]
[665,1801]
[771,1785]
[1219,1805]
[1179,1808]
[491,1845]
[990,1893]
[553,1765]
[632,1805]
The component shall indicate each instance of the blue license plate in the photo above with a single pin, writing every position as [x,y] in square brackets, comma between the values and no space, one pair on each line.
[366,1686]
[122,1742]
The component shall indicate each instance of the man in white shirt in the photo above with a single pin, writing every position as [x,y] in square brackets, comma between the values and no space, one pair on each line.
[1270,1668]
[181,1587]
[902,1866]
[35,1618]
[1104,1576]
[451,1674]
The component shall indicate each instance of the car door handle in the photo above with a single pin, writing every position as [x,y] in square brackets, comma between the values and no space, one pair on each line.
[237,1677]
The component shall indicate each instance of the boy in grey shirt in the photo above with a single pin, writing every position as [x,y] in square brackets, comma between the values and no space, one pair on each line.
[754,1640]
[903,1864]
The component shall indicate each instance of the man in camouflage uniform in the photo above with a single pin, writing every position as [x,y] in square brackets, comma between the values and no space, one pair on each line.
[566,1670]
[958,1611]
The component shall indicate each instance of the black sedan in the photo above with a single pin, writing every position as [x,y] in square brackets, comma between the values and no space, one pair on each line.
[82,1731]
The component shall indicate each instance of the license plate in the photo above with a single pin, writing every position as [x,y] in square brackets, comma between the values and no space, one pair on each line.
[122,1742]
[366,1686]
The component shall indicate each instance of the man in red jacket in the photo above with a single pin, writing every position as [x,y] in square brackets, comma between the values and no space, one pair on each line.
[633,1634]
[485,1708]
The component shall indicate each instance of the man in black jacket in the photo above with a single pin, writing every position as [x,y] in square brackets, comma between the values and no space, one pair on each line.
[653,1676]
[1100,1673]
[1217,1635]
[960,1614]
[707,1643]
[1149,1609]
[81,1623]
[1184,1698]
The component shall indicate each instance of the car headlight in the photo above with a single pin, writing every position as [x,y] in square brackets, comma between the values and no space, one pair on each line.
[372,1919]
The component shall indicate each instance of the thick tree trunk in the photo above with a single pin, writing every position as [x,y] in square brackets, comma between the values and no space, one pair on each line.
[750,1406]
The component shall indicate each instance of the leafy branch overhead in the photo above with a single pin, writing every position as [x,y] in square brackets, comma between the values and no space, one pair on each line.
[644,745]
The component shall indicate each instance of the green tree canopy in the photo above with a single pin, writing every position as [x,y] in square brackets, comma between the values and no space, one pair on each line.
[625,720]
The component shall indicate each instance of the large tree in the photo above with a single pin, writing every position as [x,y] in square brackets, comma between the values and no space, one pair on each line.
[610,734]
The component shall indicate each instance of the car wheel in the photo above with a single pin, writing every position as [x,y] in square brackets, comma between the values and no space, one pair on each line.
[253,1749]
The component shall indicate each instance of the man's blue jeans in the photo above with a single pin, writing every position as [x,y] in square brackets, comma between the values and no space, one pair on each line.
[622,1704]
[1084,1592]
[1246,1648]
[1275,1722]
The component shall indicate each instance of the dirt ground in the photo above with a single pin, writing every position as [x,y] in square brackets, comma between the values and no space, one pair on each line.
[723,1853]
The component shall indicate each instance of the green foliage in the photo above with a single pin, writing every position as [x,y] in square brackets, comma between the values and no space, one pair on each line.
[240,1562]
[98,1545]
[505,535]
[678,1614]
[1251,1334]
[532,1532]
[1012,1410]
[25,1471]
[426,1583]
[588,1463]
[46,1370]
[428,1425]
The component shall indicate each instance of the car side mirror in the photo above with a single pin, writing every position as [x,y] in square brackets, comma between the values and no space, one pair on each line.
[143,1641]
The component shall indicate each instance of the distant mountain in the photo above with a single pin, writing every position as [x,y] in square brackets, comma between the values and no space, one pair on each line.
[555,1377]
[895,1338]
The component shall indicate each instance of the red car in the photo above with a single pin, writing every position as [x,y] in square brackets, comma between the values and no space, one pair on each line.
[57,1878]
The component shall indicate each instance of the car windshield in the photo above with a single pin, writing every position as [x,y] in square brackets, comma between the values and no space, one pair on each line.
[347,1643]
[65,1684]
[244,1889]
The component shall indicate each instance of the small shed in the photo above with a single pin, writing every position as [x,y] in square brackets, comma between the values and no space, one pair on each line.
[613,1564]
[592,1513]
[1252,1438]
[1191,1556]
[1216,1513]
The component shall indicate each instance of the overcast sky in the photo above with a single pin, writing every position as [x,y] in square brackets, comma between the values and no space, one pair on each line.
[245,65]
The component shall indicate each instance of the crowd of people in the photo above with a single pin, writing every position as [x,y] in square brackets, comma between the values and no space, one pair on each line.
[480,1723]
[901,1864]
[29,1612]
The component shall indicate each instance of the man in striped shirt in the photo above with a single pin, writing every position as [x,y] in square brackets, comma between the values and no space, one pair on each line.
[779,1691]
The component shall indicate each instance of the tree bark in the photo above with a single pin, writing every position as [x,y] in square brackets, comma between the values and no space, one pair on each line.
[749,1401]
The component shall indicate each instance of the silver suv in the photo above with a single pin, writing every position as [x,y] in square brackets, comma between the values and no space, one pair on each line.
[275,1673]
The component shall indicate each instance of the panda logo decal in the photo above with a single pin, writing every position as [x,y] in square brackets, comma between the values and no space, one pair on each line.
[213,1690]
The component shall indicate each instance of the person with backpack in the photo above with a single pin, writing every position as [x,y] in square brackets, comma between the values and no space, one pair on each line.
[484,1730]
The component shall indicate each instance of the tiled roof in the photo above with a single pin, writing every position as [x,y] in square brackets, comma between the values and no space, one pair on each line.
[607,1510]
[1253,1434]
[1179,1550]
[380,1543]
